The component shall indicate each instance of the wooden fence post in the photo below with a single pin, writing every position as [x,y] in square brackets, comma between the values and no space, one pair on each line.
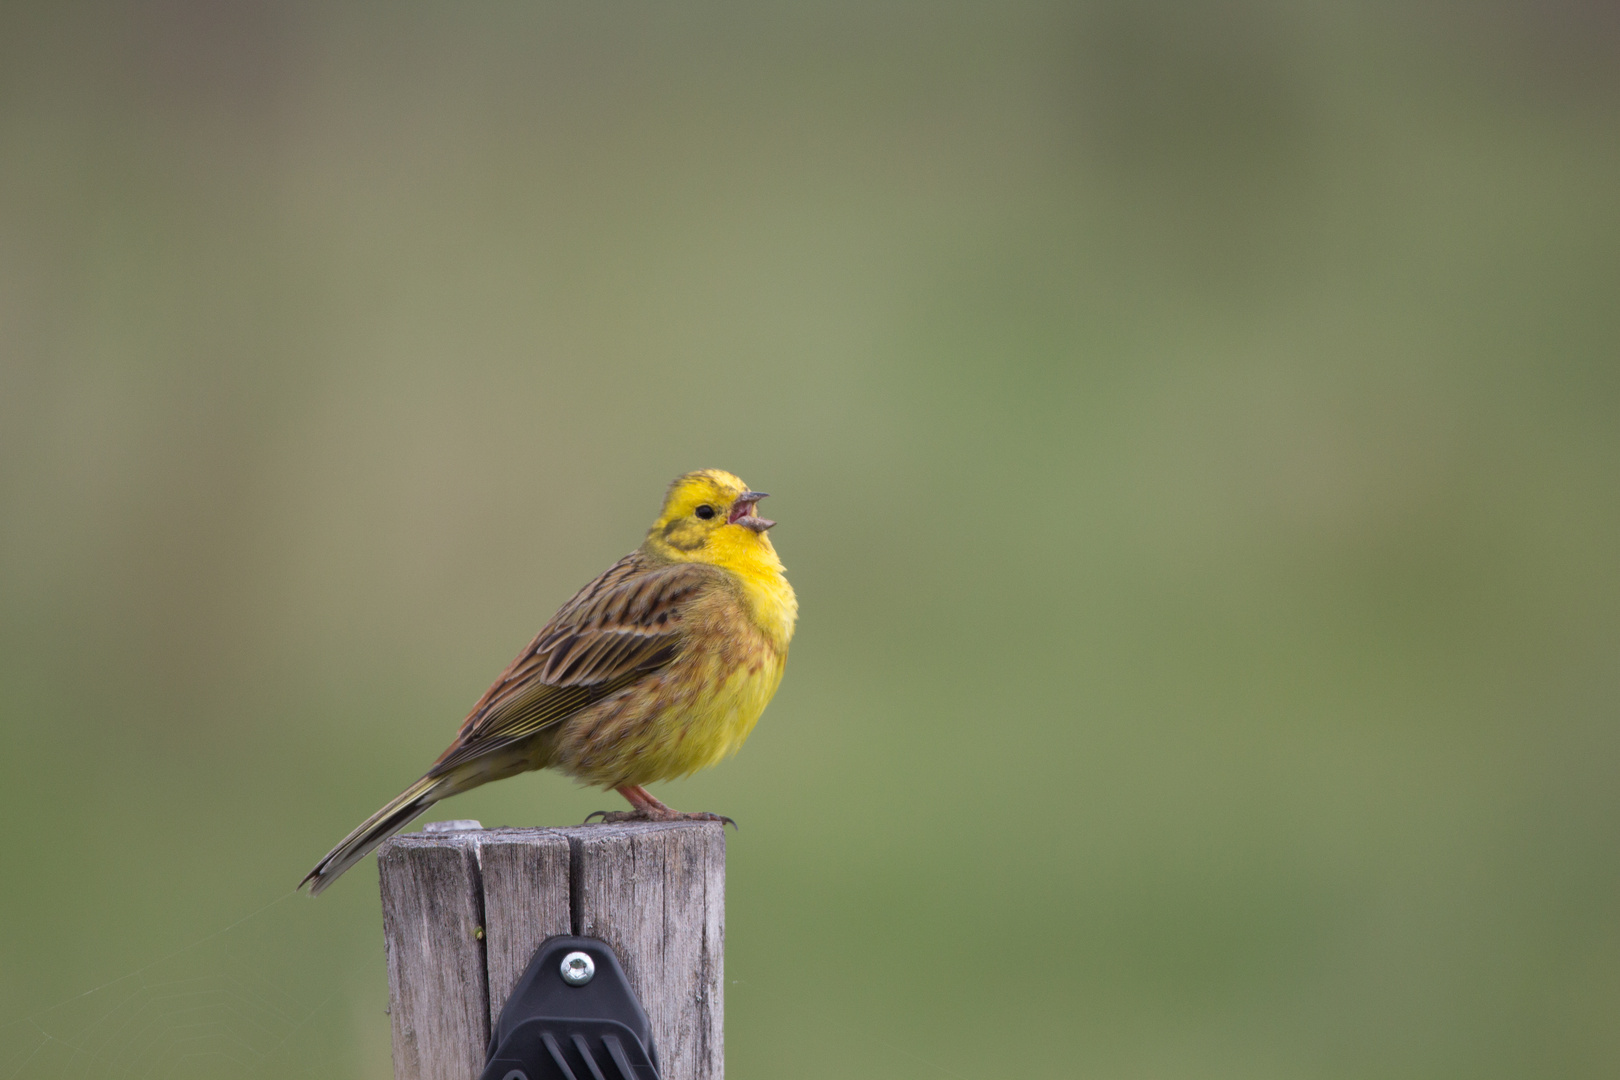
[464,909]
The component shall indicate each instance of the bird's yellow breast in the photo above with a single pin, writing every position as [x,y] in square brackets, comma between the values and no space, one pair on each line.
[733,662]
[719,721]
[738,650]
[698,710]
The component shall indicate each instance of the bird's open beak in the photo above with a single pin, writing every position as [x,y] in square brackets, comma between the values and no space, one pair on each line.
[742,512]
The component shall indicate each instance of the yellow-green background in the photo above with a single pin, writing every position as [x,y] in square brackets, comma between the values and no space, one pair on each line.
[1196,436]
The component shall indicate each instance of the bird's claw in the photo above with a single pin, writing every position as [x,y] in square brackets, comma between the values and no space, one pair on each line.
[721,818]
[617,817]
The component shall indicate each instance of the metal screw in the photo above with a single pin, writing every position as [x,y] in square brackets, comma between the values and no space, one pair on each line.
[578,969]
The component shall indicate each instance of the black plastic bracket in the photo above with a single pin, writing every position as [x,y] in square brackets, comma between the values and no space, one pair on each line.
[572,1019]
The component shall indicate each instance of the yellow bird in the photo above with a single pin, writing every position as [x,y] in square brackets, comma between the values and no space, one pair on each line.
[656,669]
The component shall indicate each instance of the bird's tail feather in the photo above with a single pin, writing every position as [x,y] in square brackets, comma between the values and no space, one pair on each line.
[400,811]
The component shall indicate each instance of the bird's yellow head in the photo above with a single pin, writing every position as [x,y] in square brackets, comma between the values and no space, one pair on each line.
[709,516]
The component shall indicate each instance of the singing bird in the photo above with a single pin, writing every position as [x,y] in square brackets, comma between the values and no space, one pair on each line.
[656,669]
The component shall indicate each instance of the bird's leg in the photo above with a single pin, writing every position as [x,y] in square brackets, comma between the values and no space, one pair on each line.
[647,808]
[645,805]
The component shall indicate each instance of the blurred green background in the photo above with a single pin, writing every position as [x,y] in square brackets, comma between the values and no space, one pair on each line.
[1194,431]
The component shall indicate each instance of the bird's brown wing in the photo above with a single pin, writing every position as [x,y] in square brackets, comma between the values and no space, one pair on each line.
[620,628]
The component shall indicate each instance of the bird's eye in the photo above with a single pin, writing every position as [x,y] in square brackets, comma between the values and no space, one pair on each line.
[705,511]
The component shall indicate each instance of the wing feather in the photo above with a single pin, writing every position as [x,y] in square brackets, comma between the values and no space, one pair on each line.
[619,629]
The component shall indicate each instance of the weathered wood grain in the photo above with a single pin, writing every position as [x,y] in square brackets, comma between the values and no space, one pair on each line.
[432,902]
[656,893]
[526,900]
[464,911]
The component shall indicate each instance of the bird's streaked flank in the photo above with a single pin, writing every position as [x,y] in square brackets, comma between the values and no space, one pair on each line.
[656,669]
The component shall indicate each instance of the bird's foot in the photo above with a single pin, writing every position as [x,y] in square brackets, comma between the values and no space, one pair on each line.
[644,807]
[618,817]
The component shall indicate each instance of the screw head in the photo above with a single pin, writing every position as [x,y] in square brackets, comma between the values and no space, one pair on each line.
[578,969]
